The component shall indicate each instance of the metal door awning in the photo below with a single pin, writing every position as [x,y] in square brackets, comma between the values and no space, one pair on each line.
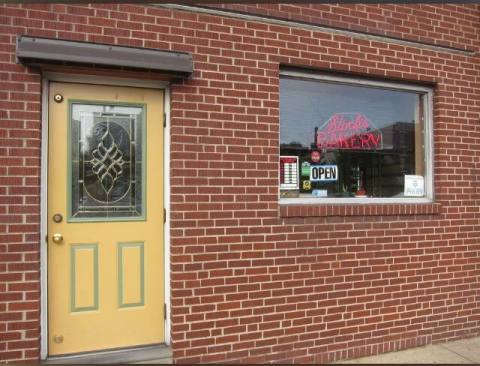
[34,50]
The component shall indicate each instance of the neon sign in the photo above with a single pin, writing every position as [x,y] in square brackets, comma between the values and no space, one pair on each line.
[349,131]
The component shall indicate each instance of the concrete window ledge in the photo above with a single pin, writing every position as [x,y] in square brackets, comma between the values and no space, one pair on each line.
[322,210]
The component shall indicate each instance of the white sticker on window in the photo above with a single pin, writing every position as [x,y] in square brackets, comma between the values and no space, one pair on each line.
[320,193]
[414,186]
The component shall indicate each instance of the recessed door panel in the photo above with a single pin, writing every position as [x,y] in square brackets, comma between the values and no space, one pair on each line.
[84,277]
[131,274]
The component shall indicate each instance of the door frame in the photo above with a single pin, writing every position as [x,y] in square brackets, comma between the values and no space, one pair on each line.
[48,77]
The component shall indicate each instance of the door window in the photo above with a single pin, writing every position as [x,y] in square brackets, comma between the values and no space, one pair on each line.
[106,162]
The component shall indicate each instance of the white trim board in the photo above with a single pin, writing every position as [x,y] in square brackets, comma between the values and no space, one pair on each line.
[97,80]
[166,203]
[43,225]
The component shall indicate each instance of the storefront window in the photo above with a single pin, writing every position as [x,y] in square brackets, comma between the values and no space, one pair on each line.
[349,139]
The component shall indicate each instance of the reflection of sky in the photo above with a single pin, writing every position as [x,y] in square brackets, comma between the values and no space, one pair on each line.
[306,104]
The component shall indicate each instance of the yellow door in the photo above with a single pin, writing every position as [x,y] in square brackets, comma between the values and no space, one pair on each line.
[105,218]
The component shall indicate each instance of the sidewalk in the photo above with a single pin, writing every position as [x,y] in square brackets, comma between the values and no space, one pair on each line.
[463,351]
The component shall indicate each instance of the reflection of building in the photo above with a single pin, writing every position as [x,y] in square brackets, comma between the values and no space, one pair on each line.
[398,156]
[293,148]
[399,136]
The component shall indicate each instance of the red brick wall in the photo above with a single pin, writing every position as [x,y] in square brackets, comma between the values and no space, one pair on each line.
[451,25]
[251,281]
[19,200]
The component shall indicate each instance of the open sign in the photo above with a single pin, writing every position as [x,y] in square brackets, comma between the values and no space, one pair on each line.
[323,173]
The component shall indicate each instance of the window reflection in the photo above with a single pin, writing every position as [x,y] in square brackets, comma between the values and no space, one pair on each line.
[370,138]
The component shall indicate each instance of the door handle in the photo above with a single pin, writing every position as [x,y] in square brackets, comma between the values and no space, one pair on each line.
[57,238]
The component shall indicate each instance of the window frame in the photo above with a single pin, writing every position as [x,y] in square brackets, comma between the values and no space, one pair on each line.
[428,139]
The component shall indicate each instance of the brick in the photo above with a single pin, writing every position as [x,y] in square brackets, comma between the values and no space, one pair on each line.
[253,281]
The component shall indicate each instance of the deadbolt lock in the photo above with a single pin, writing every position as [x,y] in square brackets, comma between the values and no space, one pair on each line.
[57,218]
[58,98]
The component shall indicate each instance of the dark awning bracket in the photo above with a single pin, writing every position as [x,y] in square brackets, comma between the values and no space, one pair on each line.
[32,50]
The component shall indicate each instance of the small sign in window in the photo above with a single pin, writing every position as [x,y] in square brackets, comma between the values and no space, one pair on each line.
[289,172]
[414,186]
[323,173]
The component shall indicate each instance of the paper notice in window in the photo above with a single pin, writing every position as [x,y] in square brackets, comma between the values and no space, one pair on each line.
[289,172]
[414,186]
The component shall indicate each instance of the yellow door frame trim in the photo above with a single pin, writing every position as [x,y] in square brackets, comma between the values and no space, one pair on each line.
[111,81]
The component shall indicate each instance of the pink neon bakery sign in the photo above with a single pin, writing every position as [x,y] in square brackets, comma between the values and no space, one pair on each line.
[352,131]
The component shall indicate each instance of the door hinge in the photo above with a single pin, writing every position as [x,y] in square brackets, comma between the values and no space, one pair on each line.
[164,215]
[164,120]
[165,311]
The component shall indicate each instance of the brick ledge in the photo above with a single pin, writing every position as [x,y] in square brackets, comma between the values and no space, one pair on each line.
[387,209]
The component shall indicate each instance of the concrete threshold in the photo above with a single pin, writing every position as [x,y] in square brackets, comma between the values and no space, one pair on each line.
[156,354]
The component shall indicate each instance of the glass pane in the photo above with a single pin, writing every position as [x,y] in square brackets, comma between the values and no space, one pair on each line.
[349,140]
[106,161]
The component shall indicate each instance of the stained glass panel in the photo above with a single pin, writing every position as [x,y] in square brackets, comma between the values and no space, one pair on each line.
[106,162]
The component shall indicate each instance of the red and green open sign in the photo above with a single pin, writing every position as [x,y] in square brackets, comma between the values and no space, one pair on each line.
[350,131]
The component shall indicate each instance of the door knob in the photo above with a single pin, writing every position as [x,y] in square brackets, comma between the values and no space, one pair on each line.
[57,238]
